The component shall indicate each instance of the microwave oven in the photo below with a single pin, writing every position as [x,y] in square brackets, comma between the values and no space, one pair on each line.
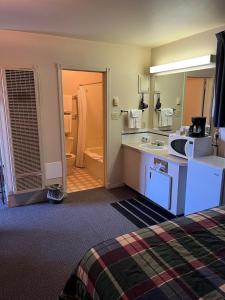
[189,147]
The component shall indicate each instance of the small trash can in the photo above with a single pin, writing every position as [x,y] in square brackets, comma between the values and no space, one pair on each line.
[55,193]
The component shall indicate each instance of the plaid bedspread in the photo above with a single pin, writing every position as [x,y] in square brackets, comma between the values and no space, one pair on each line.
[181,259]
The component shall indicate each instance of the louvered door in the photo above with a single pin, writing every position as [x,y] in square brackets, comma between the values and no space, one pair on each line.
[23,117]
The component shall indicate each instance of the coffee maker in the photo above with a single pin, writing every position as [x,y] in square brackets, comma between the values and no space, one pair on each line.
[197,129]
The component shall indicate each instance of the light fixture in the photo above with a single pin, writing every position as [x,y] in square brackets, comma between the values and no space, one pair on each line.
[202,61]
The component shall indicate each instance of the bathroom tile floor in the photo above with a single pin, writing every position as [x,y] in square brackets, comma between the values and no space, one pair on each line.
[81,180]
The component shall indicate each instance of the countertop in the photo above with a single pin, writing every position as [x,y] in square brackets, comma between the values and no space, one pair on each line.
[163,154]
[212,160]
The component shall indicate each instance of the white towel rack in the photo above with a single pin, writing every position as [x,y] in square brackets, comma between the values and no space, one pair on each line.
[174,109]
[126,111]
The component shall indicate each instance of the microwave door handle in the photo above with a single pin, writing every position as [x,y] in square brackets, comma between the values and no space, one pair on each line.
[187,149]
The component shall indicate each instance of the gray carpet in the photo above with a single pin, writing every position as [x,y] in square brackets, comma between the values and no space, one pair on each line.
[40,244]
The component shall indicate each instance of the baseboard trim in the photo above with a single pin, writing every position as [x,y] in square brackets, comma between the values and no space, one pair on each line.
[41,196]
[114,185]
[27,198]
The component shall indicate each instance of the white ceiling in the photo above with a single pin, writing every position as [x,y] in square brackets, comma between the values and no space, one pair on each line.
[139,22]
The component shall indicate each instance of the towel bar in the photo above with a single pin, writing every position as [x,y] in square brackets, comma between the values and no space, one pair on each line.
[126,111]
[174,109]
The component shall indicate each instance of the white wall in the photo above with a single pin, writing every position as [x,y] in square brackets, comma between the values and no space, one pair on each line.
[197,45]
[45,51]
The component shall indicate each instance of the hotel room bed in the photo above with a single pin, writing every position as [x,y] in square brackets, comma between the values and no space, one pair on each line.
[179,259]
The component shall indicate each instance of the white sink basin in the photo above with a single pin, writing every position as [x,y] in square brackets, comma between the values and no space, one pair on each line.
[154,147]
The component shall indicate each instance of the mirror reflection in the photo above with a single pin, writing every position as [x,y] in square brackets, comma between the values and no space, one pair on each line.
[180,96]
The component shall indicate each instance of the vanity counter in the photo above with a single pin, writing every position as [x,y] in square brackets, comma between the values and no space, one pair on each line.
[161,154]
[157,175]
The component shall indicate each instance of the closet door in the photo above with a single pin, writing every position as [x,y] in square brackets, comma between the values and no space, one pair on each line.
[24,128]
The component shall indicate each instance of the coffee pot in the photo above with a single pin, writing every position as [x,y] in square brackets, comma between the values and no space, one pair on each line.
[197,129]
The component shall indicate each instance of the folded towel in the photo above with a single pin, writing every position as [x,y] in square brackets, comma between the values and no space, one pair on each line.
[67,123]
[131,119]
[166,117]
[134,118]
[138,119]
[168,111]
[67,103]
[134,113]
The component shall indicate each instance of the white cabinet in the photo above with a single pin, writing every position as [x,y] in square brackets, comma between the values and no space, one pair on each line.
[158,187]
[205,183]
[134,163]
[166,189]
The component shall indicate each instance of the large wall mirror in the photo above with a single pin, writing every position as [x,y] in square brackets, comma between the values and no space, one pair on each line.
[180,96]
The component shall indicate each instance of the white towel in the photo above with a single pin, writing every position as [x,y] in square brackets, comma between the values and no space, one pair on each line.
[67,103]
[134,118]
[134,113]
[131,120]
[168,111]
[138,119]
[166,117]
[67,123]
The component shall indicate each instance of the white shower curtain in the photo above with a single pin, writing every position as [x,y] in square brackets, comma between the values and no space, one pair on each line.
[81,138]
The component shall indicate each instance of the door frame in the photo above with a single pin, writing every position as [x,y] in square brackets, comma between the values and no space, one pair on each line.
[5,136]
[106,82]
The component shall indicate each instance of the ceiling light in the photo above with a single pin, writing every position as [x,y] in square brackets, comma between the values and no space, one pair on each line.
[206,60]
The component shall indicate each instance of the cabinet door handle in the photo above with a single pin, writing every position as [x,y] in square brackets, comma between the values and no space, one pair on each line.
[150,175]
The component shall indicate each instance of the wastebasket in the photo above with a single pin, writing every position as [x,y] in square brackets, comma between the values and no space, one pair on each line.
[55,193]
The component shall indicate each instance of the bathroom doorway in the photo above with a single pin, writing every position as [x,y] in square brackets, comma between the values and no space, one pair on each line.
[84,129]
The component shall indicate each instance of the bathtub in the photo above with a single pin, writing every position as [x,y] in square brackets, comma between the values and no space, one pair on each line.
[94,162]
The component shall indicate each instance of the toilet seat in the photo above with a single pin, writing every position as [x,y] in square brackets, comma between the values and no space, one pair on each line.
[70,155]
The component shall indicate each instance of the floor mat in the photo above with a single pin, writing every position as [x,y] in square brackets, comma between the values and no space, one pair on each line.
[142,212]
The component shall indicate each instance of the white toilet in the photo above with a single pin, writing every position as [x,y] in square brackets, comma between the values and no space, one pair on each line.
[70,157]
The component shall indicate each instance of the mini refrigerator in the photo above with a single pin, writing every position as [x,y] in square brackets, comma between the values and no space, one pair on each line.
[205,184]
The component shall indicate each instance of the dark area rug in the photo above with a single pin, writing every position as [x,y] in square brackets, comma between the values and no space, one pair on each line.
[142,212]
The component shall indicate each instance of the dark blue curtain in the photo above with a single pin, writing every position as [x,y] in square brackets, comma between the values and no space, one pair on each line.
[219,98]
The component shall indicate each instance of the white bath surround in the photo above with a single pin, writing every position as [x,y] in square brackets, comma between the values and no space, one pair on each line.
[94,161]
